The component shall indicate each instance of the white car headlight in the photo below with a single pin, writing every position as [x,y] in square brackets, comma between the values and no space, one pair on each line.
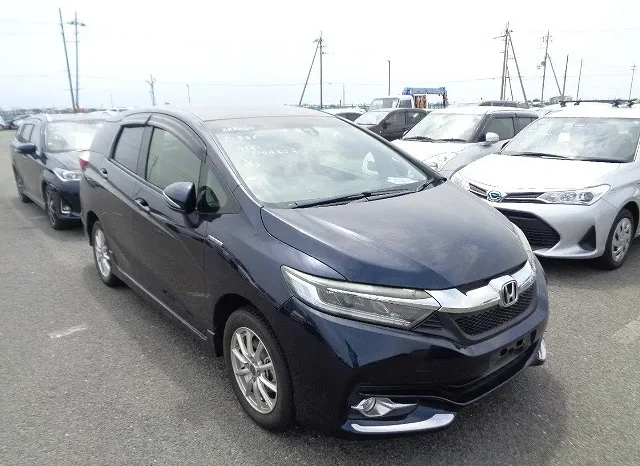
[437,162]
[458,179]
[393,307]
[585,196]
[67,175]
[526,246]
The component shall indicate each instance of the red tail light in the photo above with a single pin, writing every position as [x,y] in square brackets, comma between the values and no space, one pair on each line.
[84,161]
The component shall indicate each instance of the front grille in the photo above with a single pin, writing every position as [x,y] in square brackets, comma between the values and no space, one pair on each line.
[494,317]
[540,234]
[432,323]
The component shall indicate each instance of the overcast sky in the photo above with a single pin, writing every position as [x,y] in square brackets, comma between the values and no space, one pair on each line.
[260,51]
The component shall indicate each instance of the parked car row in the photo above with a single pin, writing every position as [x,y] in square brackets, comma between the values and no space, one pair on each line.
[348,284]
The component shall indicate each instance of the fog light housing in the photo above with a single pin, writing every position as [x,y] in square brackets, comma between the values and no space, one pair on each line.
[65,208]
[542,351]
[383,407]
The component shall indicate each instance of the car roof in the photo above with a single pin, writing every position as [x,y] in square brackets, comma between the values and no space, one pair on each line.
[484,110]
[214,112]
[334,111]
[595,111]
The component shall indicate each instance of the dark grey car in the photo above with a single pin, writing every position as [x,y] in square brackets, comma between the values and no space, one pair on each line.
[391,123]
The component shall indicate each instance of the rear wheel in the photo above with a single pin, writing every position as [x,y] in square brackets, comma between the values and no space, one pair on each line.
[619,241]
[258,370]
[20,186]
[102,256]
[52,212]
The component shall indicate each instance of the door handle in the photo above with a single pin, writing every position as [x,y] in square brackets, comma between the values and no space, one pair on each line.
[103,172]
[142,205]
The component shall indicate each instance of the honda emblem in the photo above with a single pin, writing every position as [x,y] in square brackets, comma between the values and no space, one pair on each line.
[509,293]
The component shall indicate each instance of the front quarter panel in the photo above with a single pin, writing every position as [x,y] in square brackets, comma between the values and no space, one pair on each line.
[625,186]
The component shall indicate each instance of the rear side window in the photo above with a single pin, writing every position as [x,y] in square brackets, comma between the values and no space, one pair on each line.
[404,103]
[25,133]
[395,119]
[503,127]
[128,147]
[170,161]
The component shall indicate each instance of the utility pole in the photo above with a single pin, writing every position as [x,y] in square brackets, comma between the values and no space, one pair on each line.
[320,46]
[554,74]
[308,75]
[151,82]
[188,92]
[510,87]
[344,100]
[111,99]
[66,56]
[515,59]
[633,72]
[76,24]
[579,77]
[389,78]
[564,81]
[505,59]
[544,72]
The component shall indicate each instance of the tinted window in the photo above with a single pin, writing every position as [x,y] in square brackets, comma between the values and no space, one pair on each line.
[35,133]
[405,104]
[414,117]
[25,135]
[170,161]
[128,147]
[503,127]
[395,119]
[212,195]
[522,122]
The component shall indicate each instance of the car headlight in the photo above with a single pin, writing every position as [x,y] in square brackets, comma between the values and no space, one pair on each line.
[527,247]
[437,162]
[585,196]
[67,175]
[458,179]
[393,307]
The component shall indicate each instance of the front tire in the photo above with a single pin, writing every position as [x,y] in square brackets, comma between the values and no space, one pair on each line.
[618,242]
[102,256]
[258,370]
[52,212]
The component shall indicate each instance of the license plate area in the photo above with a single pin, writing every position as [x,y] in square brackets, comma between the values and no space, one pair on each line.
[508,353]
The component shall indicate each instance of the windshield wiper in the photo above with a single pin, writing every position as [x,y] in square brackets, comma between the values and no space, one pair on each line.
[418,138]
[378,194]
[539,154]
[425,184]
[450,140]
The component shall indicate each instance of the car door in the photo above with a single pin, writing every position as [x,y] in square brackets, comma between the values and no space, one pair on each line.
[18,157]
[394,124]
[117,176]
[170,244]
[34,163]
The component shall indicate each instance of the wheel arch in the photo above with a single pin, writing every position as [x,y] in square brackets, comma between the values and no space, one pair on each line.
[225,306]
[632,206]
[92,218]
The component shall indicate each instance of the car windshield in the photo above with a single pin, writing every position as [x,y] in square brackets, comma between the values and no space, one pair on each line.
[598,139]
[284,160]
[67,136]
[439,126]
[371,118]
[385,102]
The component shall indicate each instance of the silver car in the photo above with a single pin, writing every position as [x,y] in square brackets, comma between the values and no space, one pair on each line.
[447,140]
[570,181]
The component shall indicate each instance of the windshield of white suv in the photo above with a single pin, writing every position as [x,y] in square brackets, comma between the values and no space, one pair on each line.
[445,126]
[596,139]
[371,118]
[67,136]
[286,161]
[385,102]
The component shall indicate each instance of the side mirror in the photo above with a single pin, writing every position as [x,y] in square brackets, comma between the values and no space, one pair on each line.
[26,148]
[490,138]
[385,124]
[181,197]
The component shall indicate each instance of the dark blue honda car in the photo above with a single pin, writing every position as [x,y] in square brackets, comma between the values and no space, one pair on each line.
[346,287]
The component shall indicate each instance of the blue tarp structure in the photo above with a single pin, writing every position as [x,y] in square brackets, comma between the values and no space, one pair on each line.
[424,90]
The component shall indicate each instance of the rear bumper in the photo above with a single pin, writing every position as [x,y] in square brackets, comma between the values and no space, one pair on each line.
[335,363]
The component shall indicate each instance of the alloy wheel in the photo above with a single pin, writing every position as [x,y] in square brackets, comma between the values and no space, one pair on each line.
[253,370]
[51,208]
[103,258]
[621,239]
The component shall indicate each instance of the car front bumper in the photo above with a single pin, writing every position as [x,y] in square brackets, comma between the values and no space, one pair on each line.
[336,363]
[582,231]
[67,200]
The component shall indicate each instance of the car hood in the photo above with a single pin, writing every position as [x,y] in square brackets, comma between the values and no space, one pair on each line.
[509,172]
[440,238]
[423,150]
[69,160]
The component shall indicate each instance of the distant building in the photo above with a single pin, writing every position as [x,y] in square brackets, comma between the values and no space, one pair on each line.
[557,99]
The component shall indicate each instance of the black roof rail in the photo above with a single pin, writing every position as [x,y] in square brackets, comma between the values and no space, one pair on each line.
[614,102]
